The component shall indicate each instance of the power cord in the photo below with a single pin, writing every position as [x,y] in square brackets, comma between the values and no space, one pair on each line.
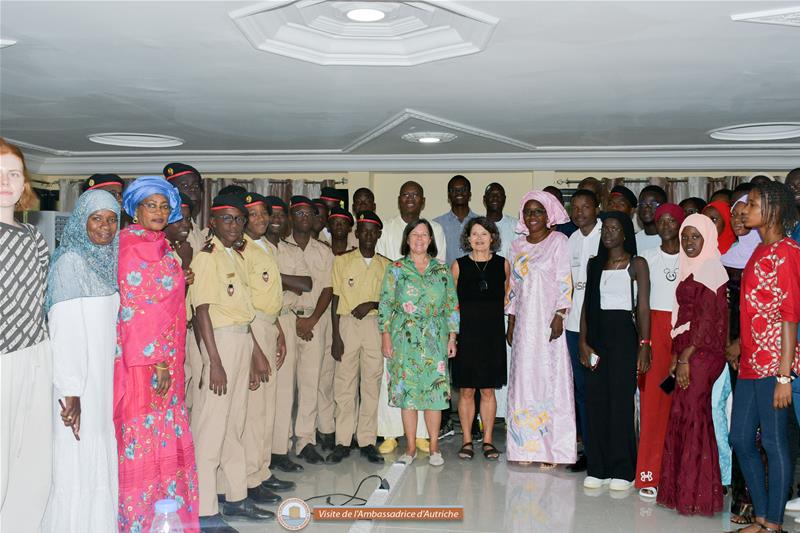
[350,497]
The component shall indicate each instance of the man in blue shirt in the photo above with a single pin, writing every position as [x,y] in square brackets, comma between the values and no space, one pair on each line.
[459,193]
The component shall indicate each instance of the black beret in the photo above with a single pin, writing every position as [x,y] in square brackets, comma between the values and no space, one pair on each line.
[626,193]
[253,198]
[186,201]
[225,201]
[341,213]
[334,195]
[233,189]
[98,181]
[173,170]
[369,217]
[276,203]
[295,201]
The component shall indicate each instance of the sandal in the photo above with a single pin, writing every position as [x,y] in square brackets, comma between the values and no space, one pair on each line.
[547,466]
[490,452]
[741,520]
[466,452]
[648,492]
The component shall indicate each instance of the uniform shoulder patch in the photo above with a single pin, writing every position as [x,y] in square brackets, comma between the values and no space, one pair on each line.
[209,247]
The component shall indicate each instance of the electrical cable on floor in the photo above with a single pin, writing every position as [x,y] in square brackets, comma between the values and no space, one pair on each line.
[350,497]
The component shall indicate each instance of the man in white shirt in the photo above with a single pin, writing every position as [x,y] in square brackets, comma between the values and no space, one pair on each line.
[583,245]
[494,199]
[410,202]
[650,198]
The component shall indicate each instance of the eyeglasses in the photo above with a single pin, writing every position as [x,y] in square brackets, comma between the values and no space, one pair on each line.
[611,229]
[409,195]
[227,219]
[151,207]
[189,187]
[651,205]
[457,190]
[534,212]
[302,214]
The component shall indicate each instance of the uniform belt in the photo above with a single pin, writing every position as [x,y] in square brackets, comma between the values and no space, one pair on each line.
[302,311]
[235,329]
[267,317]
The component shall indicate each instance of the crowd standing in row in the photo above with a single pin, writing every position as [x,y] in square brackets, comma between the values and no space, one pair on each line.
[177,354]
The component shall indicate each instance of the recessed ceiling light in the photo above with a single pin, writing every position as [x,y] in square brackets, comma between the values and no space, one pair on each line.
[365,15]
[7,42]
[789,16]
[429,137]
[137,140]
[768,131]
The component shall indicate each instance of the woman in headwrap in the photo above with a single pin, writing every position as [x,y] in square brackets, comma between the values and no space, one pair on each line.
[655,402]
[720,214]
[614,344]
[154,442]
[83,302]
[541,407]
[690,471]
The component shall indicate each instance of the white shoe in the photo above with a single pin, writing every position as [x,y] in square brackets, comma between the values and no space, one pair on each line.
[591,482]
[436,459]
[406,459]
[648,492]
[620,484]
[793,505]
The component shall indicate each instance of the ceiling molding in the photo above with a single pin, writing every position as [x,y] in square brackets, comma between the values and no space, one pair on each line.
[633,159]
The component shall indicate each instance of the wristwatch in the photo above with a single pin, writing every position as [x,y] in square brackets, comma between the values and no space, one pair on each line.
[784,380]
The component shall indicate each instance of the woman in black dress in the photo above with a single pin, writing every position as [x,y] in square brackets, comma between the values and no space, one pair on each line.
[480,361]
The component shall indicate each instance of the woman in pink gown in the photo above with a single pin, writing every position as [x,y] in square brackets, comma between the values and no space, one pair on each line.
[154,442]
[541,409]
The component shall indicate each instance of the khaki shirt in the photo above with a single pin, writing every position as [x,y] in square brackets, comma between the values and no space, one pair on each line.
[291,263]
[263,276]
[319,259]
[220,280]
[197,238]
[355,282]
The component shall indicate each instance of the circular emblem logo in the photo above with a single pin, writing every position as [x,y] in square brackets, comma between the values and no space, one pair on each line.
[170,171]
[293,514]
[351,282]
[265,277]
[91,183]
[248,198]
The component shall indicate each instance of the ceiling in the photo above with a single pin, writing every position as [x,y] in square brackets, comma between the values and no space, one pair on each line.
[556,85]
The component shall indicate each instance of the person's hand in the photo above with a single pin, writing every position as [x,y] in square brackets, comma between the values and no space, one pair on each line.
[556,327]
[260,368]
[361,310]
[782,397]
[188,276]
[386,345]
[163,378]
[71,414]
[732,353]
[451,348]
[673,365]
[510,336]
[585,355]
[304,328]
[280,357]
[682,375]
[643,359]
[337,347]
[217,379]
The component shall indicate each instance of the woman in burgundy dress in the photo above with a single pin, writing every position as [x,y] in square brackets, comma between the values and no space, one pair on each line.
[690,473]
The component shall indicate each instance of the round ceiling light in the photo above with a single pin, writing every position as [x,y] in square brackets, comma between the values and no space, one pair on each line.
[767,131]
[429,137]
[365,14]
[7,42]
[136,140]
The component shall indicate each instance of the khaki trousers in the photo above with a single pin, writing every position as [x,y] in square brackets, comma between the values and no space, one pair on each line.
[325,400]
[285,384]
[359,371]
[261,402]
[192,367]
[26,449]
[309,366]
[218,422]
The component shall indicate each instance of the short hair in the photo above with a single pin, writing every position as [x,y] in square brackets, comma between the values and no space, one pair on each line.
[459,177]
[587,193]
[726,192]
[699,202]
[555,191]
[405,248]
[28,198]
[760,178]
[494,184]
[745,186]
[415,184]
[486,224]
[777,205]
[655,189]
[364,190]
[795,172]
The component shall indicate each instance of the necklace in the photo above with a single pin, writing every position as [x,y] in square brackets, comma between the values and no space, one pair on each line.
[670,271]
[483,285]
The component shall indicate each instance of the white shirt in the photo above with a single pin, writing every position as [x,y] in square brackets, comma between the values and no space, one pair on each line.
[646,242]
[663,278]
[392,239]
[581,249]
[615,290]
[507,227]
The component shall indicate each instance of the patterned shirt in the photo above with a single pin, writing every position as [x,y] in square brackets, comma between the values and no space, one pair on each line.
[24,260]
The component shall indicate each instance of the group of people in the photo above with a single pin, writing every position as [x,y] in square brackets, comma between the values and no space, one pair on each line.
[165,360]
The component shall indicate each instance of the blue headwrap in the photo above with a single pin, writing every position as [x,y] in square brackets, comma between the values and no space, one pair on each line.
[80,268]
[145,186]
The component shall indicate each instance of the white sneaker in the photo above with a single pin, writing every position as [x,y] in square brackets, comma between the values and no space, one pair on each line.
[436,459]
[591,482]
[620,484]
[406,459]
[793,505]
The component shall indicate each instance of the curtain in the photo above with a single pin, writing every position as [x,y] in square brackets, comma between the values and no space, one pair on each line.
[68,192]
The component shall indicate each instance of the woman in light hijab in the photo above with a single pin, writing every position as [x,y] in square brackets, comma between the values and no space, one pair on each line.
[154,442]
[690,471]
[541,407]
[82,301]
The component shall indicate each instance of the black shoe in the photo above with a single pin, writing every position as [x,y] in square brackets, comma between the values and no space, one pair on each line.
[477,436]
[278,485]
[263,495]
[284,464]
[579,466]
[372,454]
[338,453]
[246,509]
[310,454]
[220,498]
[326,440]
[215,524]
[353,443]
[447,430]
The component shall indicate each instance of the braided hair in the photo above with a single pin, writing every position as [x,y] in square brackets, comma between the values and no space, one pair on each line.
[778,205]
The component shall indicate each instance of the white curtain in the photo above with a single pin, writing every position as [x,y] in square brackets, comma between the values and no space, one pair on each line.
[68,192]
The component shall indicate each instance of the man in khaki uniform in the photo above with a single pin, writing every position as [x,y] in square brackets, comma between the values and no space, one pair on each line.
[311,326]
[224,311]
[264,279]
[296,280]
[357,279]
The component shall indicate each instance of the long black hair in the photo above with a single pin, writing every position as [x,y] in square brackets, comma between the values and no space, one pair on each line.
[405,248]
[778,205]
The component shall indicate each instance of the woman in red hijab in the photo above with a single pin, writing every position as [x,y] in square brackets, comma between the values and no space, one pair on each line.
[720,214]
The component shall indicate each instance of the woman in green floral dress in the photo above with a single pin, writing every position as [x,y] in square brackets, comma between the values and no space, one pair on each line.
[418,317]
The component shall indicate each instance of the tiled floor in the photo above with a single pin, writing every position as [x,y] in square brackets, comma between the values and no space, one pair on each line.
[496,496]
